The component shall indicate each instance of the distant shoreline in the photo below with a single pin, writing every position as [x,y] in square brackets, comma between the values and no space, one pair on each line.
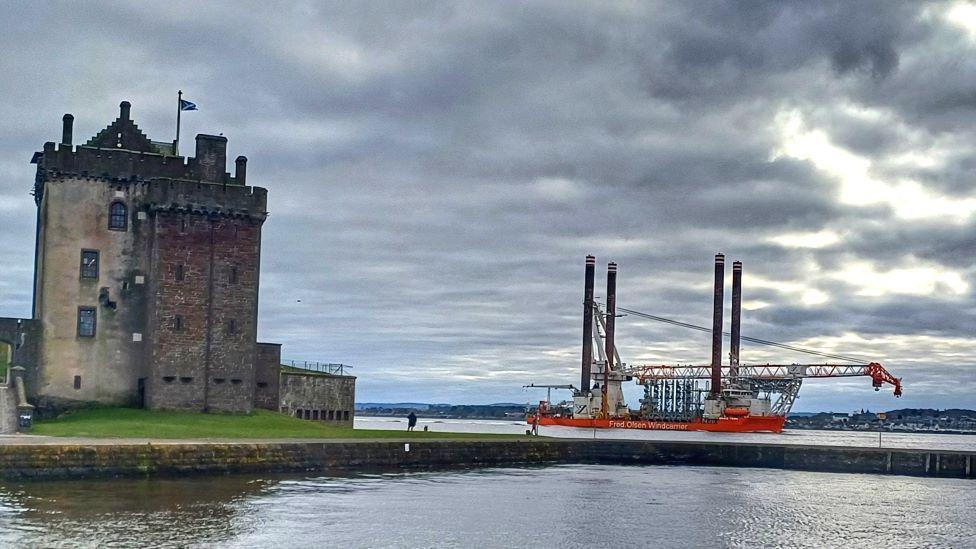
[420,414]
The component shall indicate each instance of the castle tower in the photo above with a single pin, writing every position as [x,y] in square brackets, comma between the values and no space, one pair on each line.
[146,273]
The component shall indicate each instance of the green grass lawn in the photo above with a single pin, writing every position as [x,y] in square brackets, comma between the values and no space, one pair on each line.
[138,423]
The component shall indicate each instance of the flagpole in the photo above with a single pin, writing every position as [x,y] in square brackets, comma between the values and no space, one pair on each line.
[179,110]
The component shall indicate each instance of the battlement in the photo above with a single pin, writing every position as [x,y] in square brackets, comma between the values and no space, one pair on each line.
[177,196]
[122,151]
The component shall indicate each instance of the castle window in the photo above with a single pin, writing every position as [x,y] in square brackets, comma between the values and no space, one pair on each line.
[186,379]
[315,415]
[77,382]
[233,274]
[219,380]
[345,415]
[89,264]
[232,326]
[298,413]
[235,381]
[169,379]
[117,216]
[177,322]
[86,322]
[331,415]
[262,384]
[179,272]
[182,224]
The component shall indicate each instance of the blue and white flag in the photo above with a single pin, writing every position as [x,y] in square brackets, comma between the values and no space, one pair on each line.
[187,105]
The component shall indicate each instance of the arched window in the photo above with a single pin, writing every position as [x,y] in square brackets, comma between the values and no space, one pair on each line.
[117,216]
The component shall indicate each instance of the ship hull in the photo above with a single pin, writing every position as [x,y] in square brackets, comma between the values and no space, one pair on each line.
[746,424]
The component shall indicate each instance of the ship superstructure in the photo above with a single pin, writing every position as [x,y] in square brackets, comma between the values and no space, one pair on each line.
[729,398]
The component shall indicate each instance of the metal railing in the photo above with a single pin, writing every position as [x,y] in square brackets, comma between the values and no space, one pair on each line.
[333,368]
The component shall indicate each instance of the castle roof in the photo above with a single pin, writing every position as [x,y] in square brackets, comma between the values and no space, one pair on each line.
[124,134]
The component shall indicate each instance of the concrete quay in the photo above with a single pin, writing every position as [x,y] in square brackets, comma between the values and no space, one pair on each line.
[55,458]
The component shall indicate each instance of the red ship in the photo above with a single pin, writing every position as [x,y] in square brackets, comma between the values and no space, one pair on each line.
[737,398]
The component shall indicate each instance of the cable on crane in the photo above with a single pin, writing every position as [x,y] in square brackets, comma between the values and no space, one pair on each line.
[744,338]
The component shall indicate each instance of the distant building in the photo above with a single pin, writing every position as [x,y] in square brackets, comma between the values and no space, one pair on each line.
[147,267]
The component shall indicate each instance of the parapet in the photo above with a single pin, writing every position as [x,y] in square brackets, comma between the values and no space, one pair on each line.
[121,151]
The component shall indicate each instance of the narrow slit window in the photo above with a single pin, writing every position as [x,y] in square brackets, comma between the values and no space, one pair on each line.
[186,380]
[118,216]
[77,382]
[233,274]
[86,321]
[89,264]
[232,326]
[177,322]
[179,273]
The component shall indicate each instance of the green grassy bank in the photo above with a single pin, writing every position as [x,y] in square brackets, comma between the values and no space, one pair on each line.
[138,423]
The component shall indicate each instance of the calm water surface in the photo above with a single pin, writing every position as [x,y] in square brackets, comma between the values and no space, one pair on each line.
[559,506]
[928,441]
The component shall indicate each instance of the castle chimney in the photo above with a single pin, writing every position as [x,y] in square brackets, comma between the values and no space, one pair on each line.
[240,170]
[66,126]
[124,108]
[736,314]
[585,371]
[211,157]
[717,306]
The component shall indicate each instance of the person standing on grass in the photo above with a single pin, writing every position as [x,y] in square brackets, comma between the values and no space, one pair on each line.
[411,421]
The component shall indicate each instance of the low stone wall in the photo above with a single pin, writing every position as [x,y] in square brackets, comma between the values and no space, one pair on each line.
[118,459]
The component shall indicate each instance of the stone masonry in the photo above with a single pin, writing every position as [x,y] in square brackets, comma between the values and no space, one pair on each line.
[147,268]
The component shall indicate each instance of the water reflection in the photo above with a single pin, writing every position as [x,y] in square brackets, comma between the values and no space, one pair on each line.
[115,512]
[560,506]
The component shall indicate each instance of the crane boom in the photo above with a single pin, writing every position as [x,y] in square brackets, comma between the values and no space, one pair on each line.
[770,372]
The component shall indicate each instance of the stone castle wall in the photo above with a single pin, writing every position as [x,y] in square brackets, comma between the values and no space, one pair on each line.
[204,316]
[267,370]
[160,342]
[317,396]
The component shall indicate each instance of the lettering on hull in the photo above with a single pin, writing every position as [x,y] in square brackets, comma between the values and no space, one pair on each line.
[650,425]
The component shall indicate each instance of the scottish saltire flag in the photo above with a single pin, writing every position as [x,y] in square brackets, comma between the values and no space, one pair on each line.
[187,105]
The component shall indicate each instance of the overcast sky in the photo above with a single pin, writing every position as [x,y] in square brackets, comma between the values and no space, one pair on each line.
[438,171]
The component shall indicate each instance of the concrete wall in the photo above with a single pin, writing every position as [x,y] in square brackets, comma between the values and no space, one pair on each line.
[318,396]
[113,459]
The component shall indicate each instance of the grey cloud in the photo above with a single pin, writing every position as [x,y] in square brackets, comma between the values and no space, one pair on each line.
[403,147]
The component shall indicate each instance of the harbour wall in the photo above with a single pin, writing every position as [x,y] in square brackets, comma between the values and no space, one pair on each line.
[112,459]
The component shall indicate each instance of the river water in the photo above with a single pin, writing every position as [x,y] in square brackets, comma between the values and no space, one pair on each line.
[558,506]
[925,441]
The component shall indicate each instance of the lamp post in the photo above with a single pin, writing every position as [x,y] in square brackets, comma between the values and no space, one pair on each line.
[881,418]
